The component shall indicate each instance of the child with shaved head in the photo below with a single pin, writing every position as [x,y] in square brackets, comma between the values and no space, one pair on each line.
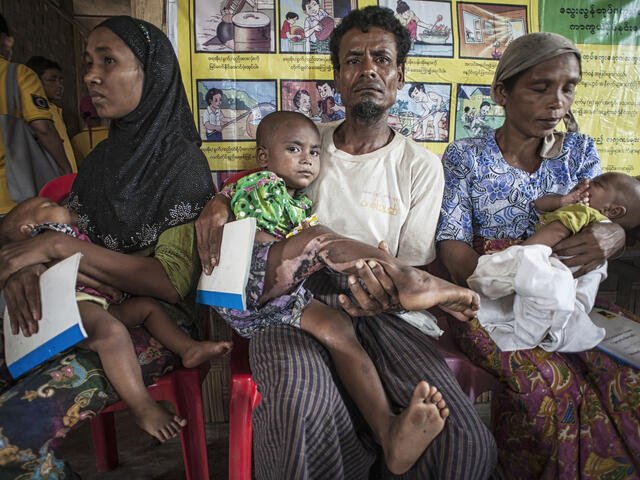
[287,250]
[530,297]
[614,196]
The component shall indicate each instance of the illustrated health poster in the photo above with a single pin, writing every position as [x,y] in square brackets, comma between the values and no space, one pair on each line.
[243,59]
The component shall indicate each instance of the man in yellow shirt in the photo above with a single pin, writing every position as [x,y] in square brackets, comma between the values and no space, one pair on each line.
[50,75]
[35,110]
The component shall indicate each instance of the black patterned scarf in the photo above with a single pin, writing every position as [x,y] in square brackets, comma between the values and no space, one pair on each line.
[149,174]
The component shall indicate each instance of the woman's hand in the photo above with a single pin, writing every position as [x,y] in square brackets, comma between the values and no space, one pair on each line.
[592,246]
[15,256]
[209,226]
[22,294]
[379,293]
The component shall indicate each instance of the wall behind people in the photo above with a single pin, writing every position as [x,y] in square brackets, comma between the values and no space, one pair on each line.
[41,30]
[261,56]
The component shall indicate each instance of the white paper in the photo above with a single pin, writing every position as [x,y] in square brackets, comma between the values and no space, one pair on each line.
[59,314]
[622,339]
[225,286]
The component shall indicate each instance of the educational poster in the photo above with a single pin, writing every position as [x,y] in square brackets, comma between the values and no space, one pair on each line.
[306,25]
[317,99]
[429,25]
[476,112]
[607,101]
[232,110]
[485,30]
[421,112]
[242,59]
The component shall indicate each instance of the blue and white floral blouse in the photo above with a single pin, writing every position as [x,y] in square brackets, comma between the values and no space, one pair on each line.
[486,197]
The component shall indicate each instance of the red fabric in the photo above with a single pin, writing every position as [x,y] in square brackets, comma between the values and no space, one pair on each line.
[286,28]
[59,188]
[412,26]
[234,178]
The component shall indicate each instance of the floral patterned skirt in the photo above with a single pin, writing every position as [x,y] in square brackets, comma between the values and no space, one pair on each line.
[39,409]
[566,416]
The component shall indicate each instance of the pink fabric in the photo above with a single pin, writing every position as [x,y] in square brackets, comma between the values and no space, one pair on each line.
[412,26]
[87,109]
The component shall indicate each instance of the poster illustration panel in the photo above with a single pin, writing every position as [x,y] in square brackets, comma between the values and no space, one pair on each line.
[306,25]
[317,99]
[232,109]
[421,111]
[224,26]
[429,25]
[485,30]
[476,112]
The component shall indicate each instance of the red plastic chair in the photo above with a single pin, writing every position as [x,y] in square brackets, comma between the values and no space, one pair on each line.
[59,188]
[182,387]
[244,396]
[473,380]
[243,399]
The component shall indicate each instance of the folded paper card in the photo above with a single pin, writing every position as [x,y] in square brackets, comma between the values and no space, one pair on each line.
[226,285]
[60,326]
[622,339]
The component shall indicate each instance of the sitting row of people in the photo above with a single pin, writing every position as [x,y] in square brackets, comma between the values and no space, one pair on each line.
[139,192]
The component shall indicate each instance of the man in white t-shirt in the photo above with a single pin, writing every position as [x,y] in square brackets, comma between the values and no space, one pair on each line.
[374,185]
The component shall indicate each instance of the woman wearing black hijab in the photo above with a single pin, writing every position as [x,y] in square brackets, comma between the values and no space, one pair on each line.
[137,195]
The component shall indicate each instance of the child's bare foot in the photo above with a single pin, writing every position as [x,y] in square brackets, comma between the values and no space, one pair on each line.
[419,290]
[412,431]
[158,421]
[200,352]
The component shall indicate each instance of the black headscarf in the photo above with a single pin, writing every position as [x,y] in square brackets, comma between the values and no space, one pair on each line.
[149,174]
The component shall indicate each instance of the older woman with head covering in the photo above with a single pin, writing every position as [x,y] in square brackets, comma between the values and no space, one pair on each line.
[137,196]
[560,415]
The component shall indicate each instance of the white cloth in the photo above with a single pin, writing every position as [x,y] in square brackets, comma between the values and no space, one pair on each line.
[423,321]
[392,194]
[529,298]
[214,117]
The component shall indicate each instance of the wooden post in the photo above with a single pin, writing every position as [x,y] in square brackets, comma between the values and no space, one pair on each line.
[153,11]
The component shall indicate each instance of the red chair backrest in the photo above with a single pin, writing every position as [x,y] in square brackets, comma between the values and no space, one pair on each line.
[59,188]
[237,176]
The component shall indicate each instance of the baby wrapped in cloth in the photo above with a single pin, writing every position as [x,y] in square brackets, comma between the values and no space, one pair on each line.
[529,298]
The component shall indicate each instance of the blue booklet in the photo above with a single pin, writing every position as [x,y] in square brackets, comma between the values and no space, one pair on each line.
[225,286]
[60,326]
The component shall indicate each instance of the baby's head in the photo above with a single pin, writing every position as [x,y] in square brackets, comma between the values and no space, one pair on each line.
[24,217]
[616,196]
[288,144]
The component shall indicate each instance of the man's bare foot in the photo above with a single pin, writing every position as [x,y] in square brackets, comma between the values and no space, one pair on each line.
[419,290]
[412,431]
[200,352]
[158,421]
